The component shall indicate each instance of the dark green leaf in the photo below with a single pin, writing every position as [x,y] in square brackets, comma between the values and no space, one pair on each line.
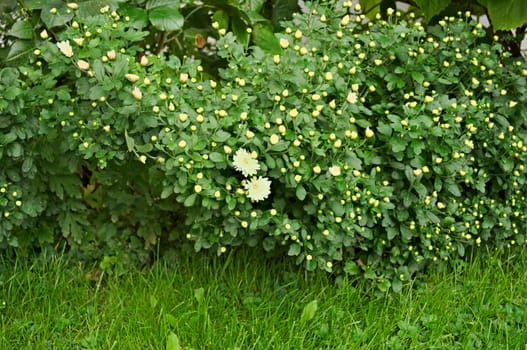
[239,28]
[432,8]
[130,142]
[62,16]
[152,4]
[21,30]
[138,16]
[294,249]
[283,10]
[167,192]
[222,18]
[506,14]
[264,37]
[301,192]
[167,18]
[19,49]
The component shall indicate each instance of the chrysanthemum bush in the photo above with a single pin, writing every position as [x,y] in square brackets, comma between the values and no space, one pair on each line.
[372,149]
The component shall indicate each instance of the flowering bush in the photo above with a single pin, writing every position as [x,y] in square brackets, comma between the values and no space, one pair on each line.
[372,148]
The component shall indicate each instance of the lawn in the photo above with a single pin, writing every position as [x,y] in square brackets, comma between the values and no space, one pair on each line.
[244,300]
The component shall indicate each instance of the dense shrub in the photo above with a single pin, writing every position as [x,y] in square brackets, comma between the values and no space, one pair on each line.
[366,148]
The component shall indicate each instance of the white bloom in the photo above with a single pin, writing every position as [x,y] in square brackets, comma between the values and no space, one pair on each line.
[334,170]
[82,64]
[244,162]
[352,97]
[65,48]
[258,188]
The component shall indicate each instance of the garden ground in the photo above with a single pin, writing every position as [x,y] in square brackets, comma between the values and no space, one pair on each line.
[245,300]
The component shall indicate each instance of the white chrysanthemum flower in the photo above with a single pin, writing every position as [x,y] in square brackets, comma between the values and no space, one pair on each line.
[334,170]
[352,97]
[244,162]
[65,48]
[258,188]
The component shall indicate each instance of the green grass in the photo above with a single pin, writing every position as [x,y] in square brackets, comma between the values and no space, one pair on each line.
[246,301]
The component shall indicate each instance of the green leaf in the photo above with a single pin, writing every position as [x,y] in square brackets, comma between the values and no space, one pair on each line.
[152,4]
[294,249]
[264,37]
[62,16]
[173,342]
[167,18]
[222,17]
[370,7]
[190,200]
[384,129]
[88,8]
[130,142]
[397,285]
[19,49]
[138,16]
[398,144]
[309,311]
[199,294]
[220,136]
[506,14]
[301,192]
[283,10]
[351,268]
[167,192]
[7,138]
[453,188]
[21,30]
[239,28]
[432,8]
[418,77]
[35,4]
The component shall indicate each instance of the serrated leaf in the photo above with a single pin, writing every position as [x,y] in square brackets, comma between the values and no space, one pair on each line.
[21,30]
[167,18]
[309,311]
